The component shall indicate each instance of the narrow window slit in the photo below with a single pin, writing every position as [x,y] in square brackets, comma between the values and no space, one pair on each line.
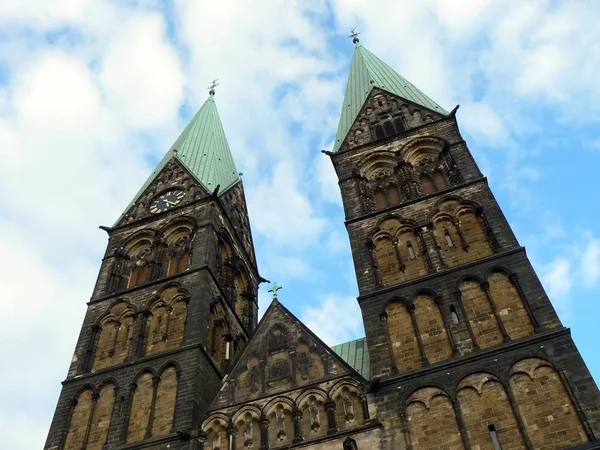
[453,315]
[494,436]
[411,251]
[448,238]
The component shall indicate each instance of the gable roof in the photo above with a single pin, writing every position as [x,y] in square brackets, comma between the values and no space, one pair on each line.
[275,316]
[366,72]
[203,149]
[356,354]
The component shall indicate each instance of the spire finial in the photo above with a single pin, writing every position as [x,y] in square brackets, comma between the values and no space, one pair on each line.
[354,35]
[274,290]
[213,85]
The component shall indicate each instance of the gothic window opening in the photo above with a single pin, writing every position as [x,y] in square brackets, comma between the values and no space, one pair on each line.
[90,419]
[537,389]
[218,330]
[483,402]
[379,134]
[398,125]
[439,180]
[388,128]
[411,251]
[380,199]
[453,315]
[494,437]
[448,238]
[140,270]
[241,292]
[395,254]
[113,336]
[178,240]
[153,405]
[166,324]
[393,195]
[350,444]
[427,186]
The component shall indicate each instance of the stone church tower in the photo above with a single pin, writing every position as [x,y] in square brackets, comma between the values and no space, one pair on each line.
[463,349]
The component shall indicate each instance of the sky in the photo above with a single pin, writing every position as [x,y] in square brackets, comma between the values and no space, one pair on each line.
[93,93]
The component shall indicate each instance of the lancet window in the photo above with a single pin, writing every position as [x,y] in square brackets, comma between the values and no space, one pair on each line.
[139,262]
[165,327]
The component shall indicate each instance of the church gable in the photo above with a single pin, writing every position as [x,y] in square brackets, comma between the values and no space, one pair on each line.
[282,355]
[173,179]
[384,115]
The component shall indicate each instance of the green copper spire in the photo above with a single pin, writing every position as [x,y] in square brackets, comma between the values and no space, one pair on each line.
[366,72]
[203,149]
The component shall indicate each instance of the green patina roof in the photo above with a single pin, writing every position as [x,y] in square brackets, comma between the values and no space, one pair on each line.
[356,354]
[366,72]
[203,149]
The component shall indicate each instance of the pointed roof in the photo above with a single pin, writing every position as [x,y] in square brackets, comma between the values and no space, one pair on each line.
[202,148]
[366,72]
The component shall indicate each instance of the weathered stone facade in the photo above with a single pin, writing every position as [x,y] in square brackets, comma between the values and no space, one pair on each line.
[465,348]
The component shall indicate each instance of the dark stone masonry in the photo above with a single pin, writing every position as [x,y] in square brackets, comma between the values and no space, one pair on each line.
[463,349]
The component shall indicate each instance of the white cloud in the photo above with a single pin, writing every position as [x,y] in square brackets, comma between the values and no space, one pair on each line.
[590,263]
[327,180]
[346,326]
[484,124]
[72,159]
[141,74]
[281,211]
[557,277]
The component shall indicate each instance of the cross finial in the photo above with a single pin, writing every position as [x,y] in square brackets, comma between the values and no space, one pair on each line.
[354,35]
[274,290]
[213,85]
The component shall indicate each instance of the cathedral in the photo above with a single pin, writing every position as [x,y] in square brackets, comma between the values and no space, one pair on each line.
[462,347]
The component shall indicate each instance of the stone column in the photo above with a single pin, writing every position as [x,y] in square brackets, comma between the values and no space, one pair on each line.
[330,408]
[297,419]
[264,433]
[411,310]
[486,287]
[155,383]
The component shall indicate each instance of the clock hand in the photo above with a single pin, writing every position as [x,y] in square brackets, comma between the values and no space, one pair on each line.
[169,202]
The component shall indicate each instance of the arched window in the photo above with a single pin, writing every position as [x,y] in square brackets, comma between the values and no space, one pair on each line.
[379,134]
[145,420]
[179,239]
[218,331]
[427,186]
[544,402]
[380,199]
[91,432]
[439,179]
[180,256]
[140,270]
[398,125]
[166,324]
[113,336]
[393,195]
[388,128]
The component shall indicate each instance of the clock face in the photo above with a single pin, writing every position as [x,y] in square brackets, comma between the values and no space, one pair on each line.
[166,200]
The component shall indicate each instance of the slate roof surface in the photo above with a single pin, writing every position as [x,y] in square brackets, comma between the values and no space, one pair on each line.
[356,354]
[203,149]
[366,72]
